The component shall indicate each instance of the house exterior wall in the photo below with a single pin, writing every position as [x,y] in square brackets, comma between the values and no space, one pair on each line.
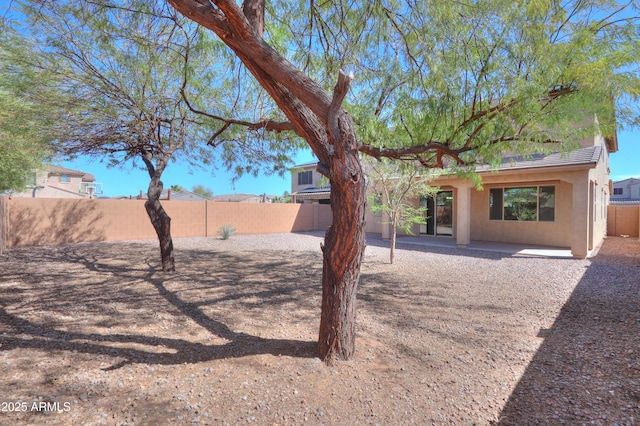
[73,185]
[53,186]
[46,221]
[580,217]
[582,194]
[373,224]
[556,233]
[295,187]
[600,196]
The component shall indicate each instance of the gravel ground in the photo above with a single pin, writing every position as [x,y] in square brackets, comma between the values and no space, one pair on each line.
[94,334]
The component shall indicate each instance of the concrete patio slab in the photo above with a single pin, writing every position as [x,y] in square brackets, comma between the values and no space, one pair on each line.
[513,249]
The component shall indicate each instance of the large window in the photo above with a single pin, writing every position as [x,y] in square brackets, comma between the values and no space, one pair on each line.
[305,178]
[617,191]
[525,203]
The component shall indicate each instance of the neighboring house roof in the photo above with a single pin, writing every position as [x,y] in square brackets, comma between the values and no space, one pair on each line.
[238,198]
[302,166]
[184,195]
[632,181]
[187,196]
[58,170]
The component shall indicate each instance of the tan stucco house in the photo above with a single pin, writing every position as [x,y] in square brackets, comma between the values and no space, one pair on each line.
[309,186]
[557,200]
[59,182]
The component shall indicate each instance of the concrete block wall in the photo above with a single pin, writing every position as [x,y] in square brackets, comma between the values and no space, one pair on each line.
[40,221]
[259,218]
[623,220]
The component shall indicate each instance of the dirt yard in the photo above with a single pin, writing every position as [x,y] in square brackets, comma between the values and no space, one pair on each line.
[95,334]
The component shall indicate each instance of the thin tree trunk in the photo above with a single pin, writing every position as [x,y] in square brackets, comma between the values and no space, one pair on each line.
[392,248]
[161,223]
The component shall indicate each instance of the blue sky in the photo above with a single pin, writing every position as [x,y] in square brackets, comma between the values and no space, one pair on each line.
[626,162]
[128,181]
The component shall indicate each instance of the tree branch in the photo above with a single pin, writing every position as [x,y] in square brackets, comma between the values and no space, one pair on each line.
[339,92]
[254,12]
[229,23]
[268,125]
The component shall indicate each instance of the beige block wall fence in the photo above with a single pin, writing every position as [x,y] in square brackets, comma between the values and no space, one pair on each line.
[623,220]
[40,221]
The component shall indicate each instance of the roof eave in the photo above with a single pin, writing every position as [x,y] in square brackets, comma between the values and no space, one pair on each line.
[542,169]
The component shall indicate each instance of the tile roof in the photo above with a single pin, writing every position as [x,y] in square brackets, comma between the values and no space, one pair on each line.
[58,170]
[589,155]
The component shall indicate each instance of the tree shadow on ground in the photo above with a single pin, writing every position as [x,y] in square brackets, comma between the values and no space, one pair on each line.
[53,295]
[587,369]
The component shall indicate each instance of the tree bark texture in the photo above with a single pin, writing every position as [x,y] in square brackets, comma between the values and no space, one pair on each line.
[342,259]
[330,132]
[161,223]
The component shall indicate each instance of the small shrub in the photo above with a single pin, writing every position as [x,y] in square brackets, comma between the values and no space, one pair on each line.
[226,231]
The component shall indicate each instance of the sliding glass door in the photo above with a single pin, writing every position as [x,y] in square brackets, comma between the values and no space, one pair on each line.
[439,214]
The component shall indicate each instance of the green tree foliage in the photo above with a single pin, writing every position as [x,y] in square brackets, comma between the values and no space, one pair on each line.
[469,82]
[137,83]
[140,84]
[284,198]
[122,68]
[396,190]
[26,128]
[202,190]
[443,84]
[22,149]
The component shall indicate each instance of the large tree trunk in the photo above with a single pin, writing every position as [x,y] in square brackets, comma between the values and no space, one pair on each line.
[342,258]
[161,223]
[330,132]
[345,239]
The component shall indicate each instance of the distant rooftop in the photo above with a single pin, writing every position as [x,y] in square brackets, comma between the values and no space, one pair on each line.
[58,170]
